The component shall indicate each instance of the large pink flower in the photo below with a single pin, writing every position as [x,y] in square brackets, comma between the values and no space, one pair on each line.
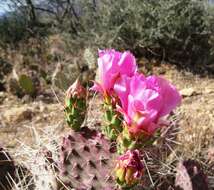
[144,101]
[111,65]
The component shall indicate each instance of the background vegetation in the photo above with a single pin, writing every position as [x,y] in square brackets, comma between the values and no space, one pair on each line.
[178,31]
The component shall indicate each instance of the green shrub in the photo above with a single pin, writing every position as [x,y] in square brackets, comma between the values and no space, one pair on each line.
[15,27]
[176,30]
[12,29]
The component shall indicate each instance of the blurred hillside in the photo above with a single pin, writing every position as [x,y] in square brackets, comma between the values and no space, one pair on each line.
[180,31]
[51,42]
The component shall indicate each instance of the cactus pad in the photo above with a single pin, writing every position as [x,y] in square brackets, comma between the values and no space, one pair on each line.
[86,161]
[26,83]
[190,176]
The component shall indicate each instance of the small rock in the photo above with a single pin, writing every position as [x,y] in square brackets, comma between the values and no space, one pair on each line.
[187,92]
[27,99]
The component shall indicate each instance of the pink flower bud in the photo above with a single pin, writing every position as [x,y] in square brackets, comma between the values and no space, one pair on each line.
[76,90]
[129,168]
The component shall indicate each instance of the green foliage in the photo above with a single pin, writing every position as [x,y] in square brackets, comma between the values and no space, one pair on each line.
[175,30]
[12,29]
[15,27]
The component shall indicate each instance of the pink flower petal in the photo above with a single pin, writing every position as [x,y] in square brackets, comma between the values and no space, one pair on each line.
[97,87]
[112,65]
[121,88]
[170,95]
[127,64]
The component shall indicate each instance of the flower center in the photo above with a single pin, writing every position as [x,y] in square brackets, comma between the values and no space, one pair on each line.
[136,118]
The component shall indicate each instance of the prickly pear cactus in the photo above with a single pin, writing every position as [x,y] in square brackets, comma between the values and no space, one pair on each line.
[86,161]
[124,142]
[190,176]
[75,105]
[113,123]
[7,170]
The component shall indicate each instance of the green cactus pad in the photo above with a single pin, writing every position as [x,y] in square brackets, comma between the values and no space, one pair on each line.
[26,84]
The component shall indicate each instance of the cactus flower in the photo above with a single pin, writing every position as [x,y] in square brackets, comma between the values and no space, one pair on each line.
[129,168]
[144,101]
[75,105]
[111,65]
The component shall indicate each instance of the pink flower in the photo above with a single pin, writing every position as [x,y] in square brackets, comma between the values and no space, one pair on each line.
[144,101]
[111,65]
[129,168]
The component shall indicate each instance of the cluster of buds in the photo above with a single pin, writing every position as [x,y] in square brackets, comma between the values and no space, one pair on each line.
[75,105]
[140,102]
